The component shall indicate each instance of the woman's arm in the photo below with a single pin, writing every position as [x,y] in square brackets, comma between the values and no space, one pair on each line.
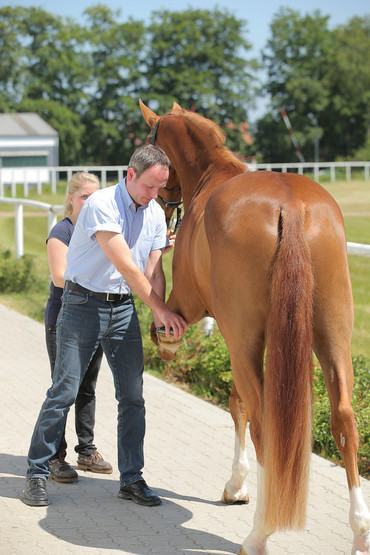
[57,257]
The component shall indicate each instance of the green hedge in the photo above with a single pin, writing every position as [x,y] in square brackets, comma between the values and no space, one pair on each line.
[15,273]
[202,365]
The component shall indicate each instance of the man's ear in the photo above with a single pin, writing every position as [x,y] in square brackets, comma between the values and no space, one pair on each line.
[131,174]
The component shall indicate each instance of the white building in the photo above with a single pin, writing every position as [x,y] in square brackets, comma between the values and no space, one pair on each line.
[26,141]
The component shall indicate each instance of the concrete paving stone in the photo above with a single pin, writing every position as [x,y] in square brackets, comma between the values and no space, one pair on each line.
[188,452]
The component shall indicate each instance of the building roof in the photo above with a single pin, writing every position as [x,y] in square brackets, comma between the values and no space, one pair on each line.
[24,125]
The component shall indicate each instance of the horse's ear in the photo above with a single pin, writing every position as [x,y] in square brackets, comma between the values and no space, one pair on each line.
[150,117]
[176,107]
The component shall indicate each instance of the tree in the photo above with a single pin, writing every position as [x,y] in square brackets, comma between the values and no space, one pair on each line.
[116,57]
[198,59]
[12,57]
[349,107]
[42,70]
[298,57]
[322,78]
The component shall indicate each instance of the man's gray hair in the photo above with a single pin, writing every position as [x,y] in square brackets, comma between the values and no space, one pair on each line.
[147,156]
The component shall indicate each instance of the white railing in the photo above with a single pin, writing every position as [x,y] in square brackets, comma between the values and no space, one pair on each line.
[37,177]
[315,167]
[54,210]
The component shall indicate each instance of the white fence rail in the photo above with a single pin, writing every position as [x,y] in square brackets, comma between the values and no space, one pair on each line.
[54,210]
[316,168]
[38,176]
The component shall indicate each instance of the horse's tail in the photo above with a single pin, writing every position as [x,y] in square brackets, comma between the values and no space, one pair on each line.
[287,419]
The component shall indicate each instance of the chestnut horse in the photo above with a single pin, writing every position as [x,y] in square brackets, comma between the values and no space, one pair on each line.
[265,254]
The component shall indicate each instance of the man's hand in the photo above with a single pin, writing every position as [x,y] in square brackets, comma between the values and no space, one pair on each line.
[173,323]
[171,237]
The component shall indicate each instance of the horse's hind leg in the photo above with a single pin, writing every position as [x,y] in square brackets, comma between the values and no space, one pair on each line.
[236,488]
[339,382]
[333,327]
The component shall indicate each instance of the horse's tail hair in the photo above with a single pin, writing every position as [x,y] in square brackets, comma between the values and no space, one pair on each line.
[287,418]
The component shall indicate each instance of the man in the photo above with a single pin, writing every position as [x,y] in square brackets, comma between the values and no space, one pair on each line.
[115,250]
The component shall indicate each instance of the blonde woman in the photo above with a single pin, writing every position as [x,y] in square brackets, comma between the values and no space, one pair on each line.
[80,187]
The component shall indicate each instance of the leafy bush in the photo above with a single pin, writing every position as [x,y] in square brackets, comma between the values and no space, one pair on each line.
[15,273]
[202,364]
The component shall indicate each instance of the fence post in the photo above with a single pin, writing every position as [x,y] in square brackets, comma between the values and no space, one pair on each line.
[25,184]
[52,219]
[39,185]
[103,178]
[14,186]
[53,181]
[18,230]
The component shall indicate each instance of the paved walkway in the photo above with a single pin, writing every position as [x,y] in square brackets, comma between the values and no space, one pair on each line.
[189,448]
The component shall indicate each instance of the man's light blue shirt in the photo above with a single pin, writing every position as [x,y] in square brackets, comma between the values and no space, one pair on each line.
[112,209]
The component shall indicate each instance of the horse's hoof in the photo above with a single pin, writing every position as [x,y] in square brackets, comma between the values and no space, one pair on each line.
[361,544]
[230,499]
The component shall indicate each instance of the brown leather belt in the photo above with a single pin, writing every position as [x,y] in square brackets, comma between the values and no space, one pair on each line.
[76,288]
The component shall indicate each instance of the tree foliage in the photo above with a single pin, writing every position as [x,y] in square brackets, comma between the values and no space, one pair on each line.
[85,78]
[317,74]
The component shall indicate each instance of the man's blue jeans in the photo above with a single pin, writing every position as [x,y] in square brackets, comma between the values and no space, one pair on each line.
[84,322]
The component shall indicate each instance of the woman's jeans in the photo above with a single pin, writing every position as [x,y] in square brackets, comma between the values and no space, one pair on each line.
[85,402]
[83,323]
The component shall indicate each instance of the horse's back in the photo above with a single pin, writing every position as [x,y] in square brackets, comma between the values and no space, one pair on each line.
[244,219]
[254,201]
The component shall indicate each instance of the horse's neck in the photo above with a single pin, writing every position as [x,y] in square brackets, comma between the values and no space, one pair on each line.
[212,177]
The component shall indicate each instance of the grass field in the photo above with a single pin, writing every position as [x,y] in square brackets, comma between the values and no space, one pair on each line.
[353,198]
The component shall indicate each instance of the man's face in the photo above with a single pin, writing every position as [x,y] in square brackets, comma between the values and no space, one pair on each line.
[146,187]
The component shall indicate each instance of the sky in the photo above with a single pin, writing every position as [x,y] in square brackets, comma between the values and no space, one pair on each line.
[257,14]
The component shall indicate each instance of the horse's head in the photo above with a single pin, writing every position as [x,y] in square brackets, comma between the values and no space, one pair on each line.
[167,346]
[170,198]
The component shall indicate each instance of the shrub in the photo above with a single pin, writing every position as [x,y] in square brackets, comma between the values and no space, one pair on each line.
[15,273]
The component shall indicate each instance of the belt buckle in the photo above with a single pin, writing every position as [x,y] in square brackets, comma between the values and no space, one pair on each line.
[107,297]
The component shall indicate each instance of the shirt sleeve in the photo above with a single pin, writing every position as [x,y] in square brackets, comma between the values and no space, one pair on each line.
[160,239]
[63,231]
[97,215]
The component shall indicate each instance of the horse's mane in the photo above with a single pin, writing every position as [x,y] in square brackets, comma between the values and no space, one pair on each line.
[215,138]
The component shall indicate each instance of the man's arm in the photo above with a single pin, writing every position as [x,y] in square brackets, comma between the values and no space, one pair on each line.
[155,275]
[118,252]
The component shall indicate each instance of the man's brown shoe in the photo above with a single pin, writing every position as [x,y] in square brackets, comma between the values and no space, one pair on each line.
[60,470]
[95,463]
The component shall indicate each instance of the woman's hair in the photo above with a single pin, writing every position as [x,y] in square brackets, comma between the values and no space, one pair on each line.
[74,184]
